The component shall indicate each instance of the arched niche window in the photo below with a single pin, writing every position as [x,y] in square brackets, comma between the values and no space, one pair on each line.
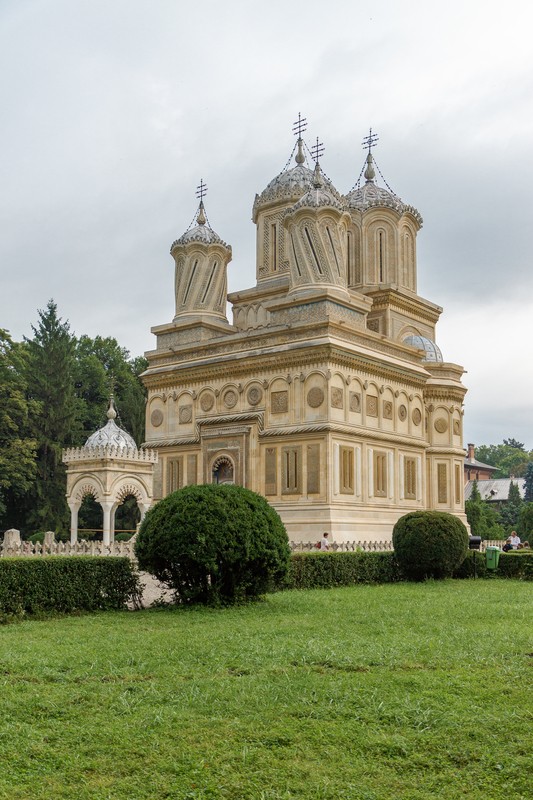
[223,470]
[408,258]
[381,255]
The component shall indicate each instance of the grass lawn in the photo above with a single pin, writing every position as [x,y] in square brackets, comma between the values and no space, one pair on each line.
[404,691]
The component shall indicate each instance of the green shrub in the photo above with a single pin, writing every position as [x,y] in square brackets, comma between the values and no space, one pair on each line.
[122,536]
[214,544]
[516,564]
[324,570]
[429,544]
[475,564]
[65,583]
[36,537]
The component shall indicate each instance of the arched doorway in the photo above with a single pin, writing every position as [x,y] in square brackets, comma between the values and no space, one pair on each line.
[223,470]
[127,517]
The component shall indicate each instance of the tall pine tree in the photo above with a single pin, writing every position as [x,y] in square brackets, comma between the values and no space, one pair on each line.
[528,485]
[50,385]
[17,448]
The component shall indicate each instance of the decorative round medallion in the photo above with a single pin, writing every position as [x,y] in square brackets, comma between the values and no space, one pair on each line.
[315,397]
[417,416]
[207,401]
[230,398]
[456,427]
[441,425]
[254,396]
[402,412]
[185,414]
[156,418]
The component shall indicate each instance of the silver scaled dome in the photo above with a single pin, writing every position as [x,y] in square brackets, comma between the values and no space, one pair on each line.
[372,196]
[111,434]
[320,194]
[432,351]
[290,185]
[202,233]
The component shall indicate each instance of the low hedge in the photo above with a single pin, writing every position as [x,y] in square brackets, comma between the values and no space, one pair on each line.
[66,584]
[322,570]
[326,570]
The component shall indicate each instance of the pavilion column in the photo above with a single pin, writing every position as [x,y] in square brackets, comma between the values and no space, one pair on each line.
[74,508]
[107,507]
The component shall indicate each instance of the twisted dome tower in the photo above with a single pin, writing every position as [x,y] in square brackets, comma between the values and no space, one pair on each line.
[201,259]
[316,229]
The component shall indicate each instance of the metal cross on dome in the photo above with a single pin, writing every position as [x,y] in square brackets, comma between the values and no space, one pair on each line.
[317,150]
[201,190]
[369,141]
[299,126]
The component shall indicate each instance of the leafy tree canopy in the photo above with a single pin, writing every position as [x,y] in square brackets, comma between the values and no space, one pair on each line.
[510,458]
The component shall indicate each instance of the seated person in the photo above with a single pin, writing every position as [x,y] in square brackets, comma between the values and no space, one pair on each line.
[514,539]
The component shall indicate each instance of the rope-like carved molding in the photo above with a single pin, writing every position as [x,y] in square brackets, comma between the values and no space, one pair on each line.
[350,431]
[416,378]
[252,416]
[87,489]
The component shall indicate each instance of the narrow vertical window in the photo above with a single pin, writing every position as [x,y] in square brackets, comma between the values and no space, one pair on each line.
[346,458]
[274,243]
[381,256]
[349,265]
[380,474]
[458,472]
[409,466]
[442,483]
[292,469]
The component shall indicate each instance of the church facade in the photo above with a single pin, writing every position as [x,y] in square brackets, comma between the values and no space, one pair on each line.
[326,393]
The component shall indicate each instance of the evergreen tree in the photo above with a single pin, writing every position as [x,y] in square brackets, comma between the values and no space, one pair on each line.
[55,425]
[528,485]
[17,448]
[510,512]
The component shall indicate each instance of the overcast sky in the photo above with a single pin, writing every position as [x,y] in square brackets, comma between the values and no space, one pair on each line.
[112,111]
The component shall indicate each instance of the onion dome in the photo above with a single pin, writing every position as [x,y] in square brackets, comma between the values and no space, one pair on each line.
[111,434]
[202,232]
[431,350]
[289,185]
[372,196]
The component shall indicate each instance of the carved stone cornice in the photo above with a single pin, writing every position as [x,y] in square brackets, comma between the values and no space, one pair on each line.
[394,300]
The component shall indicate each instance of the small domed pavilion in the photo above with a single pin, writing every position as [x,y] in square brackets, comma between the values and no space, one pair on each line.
[109,467]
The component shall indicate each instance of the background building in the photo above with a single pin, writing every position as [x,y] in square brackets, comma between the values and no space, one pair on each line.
[327,394]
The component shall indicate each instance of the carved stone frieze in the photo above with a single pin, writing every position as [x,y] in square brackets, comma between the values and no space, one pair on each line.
[387,409]
[337,397]
[279,402]
[254,395]
[207,401]
[355,401]
[185,415]
[441,425]
[315,397]
[371,406]
[156,417]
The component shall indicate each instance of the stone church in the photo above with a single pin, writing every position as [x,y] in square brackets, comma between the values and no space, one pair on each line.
[326,393]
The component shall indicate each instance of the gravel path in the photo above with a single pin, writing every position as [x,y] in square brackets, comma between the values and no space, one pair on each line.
[153,591]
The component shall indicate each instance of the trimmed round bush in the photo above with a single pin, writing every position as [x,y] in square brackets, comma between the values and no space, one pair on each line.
[215,544]
[429,544]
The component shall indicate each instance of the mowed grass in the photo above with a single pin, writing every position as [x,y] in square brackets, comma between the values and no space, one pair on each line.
[402,691]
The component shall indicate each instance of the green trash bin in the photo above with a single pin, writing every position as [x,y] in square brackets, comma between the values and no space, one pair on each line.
[492,554]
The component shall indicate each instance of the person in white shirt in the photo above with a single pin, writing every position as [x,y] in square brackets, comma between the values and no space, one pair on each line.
[514,540]
[324,543]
